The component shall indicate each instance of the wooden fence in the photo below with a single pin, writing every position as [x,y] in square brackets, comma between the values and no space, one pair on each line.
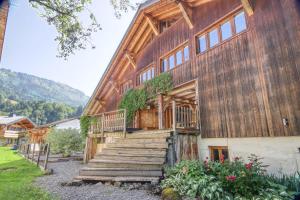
[36,153]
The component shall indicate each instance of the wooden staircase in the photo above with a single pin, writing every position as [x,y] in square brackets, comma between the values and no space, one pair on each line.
[137,158]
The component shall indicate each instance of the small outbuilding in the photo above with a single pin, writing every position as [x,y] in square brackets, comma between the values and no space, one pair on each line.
[12,129]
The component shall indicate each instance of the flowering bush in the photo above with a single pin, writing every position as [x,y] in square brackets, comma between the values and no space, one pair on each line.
[224,180]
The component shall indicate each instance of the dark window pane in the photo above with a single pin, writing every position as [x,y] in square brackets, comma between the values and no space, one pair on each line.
[186,53]
[216,155]
[172,61]
[213,38]
[225,153]
[179,57]
[164,65]
[240,22]
[202,43]
[226,30]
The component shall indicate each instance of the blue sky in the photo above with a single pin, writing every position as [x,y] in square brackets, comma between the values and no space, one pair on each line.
[30,47]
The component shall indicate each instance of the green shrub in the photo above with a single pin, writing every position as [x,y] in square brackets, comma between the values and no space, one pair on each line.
[65,141]
[292,182]
[224,180]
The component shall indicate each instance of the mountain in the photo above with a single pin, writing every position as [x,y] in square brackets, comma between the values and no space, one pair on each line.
[24,87]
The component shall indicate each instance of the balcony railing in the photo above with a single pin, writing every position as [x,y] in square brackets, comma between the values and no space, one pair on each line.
[114,121]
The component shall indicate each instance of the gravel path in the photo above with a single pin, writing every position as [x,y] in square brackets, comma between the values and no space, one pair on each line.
[65,171]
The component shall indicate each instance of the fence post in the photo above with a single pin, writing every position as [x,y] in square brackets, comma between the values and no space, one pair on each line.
[47,156]
[32,158]
[39,155]
[27,151]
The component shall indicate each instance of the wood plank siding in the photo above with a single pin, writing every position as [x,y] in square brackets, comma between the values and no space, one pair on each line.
[247,85]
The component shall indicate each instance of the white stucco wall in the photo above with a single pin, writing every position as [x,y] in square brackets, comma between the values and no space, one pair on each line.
[73,124]
[281,153]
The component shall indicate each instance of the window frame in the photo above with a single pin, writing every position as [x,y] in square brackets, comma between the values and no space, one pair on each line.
[219,148]
[230,17]
[127,82]
[150,68]
[174,53]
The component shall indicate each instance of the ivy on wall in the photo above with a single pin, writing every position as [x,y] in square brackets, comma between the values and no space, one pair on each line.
[136,99]
[85,123]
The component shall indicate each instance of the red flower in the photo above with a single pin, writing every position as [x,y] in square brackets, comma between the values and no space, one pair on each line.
[249,165]
[231,178]
[236,158]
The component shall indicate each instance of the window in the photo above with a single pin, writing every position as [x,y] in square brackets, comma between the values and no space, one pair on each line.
[213,37]
[202,44]
[165,65]
[226,30]
[223,30]
[179,57]
[146,75]
[171,61]
[186,52]
[218,153]
[174,59]
[240,22]
[125,86]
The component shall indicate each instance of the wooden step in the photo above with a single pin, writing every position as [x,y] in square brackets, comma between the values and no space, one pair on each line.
[118,178]
[131,158]
[141,140]
[148,135]
[124,164]
[112,172]
[145,154]
[139,145]
[135,151]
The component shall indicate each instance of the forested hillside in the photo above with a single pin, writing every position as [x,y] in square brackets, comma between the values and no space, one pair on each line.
[24,87]
[42,100]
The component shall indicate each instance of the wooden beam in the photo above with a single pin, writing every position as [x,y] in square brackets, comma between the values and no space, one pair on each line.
[160,101]
[174,115]
[151,23]
[115,86]
[185,12]
[130,59]
[247,6]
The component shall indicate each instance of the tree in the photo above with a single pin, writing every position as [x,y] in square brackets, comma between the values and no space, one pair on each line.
[65,16]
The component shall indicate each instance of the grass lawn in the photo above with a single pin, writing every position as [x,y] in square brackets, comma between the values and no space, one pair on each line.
[16,176]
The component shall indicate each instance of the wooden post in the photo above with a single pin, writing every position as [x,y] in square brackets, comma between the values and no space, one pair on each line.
[39,155]
[160,111]
[47,156]
[27,151]
[32,158]
[102,126]
[124,131]
[85,159]
[174,114]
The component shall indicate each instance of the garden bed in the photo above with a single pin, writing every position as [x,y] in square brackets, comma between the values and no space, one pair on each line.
[236,180]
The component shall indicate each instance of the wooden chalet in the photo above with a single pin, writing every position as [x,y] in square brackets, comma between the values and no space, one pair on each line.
[14,128]
[235,68]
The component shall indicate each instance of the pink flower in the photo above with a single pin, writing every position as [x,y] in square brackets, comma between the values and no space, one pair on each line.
[249,165]
[231,178]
